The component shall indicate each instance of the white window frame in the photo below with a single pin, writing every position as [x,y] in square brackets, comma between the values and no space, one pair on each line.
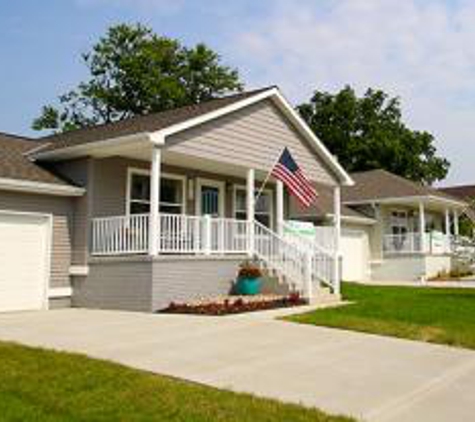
[269,192]
[221,185]
[131,171]
[392,218]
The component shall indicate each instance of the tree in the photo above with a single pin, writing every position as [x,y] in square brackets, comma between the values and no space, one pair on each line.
[368,133]
[134,71]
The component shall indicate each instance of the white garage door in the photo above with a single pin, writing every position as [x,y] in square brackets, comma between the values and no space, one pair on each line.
[24,261]
[355,252]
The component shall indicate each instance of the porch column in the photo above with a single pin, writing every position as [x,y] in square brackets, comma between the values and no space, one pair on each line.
[422,226]
[337,225]
[154,221]
[456,223]
[279,201]
[447,222]
[250,208]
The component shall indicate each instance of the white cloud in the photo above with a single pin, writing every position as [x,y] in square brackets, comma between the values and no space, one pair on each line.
[422,51]
[163,7]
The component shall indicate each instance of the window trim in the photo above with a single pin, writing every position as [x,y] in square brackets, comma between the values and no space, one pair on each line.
[406,219]
[237,187]
[131,171]
[220,184]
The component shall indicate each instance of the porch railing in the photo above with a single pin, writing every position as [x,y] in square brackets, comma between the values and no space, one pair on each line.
[303,261]
[434,243]
[301,264]
[178,234]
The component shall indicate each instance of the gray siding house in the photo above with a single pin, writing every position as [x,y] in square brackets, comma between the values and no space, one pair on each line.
[135,214]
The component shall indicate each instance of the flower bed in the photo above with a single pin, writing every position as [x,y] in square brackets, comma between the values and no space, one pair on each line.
[234,305]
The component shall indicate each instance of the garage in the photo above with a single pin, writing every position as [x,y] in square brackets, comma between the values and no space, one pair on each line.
[355,252]
[24,260]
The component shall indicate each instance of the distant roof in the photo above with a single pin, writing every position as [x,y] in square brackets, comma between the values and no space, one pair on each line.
[381,184]
[323,207]
[15,165]
[144,123]
[464,192]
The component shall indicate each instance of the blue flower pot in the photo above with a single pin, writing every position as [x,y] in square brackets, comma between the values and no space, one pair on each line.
[248,286]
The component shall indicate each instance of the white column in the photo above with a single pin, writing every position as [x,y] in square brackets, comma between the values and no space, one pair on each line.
[448,241]
[456,223]
[447,222]
[337,225]
[154,221]
[279,201]
[250,208]
[422,226]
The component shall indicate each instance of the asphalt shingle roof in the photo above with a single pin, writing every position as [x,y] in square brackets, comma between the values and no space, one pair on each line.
[15,165]
[144,123]
[381,184]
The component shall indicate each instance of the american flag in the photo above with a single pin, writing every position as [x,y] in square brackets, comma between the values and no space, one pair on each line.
[287,170]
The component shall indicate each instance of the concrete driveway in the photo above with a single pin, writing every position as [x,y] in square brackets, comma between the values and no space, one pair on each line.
[370,377]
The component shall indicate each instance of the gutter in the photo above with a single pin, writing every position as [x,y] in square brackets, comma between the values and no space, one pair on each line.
[18,185]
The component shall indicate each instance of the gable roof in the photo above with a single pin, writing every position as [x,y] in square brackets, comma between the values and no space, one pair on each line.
[380,184]
[145,123]
[157,127]
[17,172]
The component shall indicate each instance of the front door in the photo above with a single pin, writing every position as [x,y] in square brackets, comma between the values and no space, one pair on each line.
[210,198]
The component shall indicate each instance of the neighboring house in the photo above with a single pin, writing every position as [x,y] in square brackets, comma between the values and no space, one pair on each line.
[394,229]
[158,208]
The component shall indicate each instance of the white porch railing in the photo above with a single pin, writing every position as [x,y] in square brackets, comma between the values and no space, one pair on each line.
[302,260]
[434,243]
[303,264]
[179,234]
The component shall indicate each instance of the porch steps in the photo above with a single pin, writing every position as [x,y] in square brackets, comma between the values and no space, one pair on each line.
[272,284]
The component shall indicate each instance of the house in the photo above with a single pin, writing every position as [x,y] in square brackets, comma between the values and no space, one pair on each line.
[153,209]
[393,229]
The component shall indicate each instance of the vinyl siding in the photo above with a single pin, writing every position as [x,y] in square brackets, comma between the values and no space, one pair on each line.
[79,173]
[110,185]
[251,137]
[62,211]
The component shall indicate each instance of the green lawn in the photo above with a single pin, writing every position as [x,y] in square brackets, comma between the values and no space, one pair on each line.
[40,385]
[436,315]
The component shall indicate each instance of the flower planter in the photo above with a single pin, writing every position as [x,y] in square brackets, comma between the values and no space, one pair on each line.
[248,286]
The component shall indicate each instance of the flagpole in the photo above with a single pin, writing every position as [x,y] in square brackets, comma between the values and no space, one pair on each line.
[264,183]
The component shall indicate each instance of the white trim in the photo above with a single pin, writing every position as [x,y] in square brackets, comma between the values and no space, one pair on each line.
[48,250]
[238,186]
[355,219]
[405,199]
[145,172]
[57,292]
[29,186]
[200,181]
[89,148]
[288,110]
[79,270]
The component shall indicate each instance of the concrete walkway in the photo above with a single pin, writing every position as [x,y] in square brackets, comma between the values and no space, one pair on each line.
[370,377]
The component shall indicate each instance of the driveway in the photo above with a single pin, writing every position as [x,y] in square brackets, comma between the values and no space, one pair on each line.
[370,377]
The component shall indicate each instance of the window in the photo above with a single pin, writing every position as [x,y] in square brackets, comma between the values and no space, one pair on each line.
[172,193]
[263,208]
[399,222]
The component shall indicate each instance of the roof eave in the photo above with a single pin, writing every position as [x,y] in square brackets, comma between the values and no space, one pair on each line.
[30,186]
[405,199]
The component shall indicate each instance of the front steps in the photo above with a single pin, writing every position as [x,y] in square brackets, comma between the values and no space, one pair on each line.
[272,284]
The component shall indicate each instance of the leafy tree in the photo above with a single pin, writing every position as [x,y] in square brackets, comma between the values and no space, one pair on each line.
[134,71]
[368,133]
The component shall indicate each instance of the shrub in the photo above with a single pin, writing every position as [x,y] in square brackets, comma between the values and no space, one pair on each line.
[249,269]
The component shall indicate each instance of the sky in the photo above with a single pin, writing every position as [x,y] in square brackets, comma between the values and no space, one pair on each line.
[420,51]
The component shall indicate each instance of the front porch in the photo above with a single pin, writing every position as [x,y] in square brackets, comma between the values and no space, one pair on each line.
[201,213]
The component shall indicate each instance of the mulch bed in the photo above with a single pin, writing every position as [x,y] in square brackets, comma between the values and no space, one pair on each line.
[234,305]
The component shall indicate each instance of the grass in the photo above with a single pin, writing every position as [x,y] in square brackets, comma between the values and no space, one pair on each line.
[41,385]
[435,315]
